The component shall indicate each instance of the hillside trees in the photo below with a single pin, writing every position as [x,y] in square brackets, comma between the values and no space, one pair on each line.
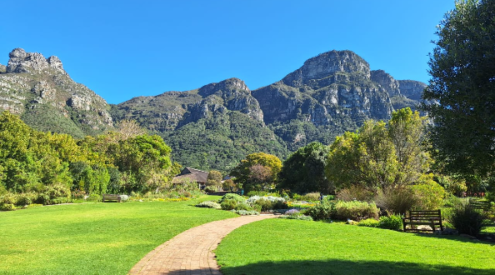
[304,170]
[462,67]
[377,156]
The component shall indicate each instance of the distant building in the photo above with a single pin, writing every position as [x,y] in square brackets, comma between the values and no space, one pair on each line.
[191,174]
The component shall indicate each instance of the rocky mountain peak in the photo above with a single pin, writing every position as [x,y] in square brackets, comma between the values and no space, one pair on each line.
[327,64]
[22,62]
[228,85]
[387,82]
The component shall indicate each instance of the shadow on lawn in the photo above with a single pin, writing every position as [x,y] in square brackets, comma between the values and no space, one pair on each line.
[335,267]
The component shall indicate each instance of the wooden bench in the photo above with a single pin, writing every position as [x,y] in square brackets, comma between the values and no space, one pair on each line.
[111,197]
[432,218]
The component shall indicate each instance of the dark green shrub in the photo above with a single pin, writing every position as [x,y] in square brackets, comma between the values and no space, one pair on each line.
[243,206]
[265,204]
[210,189]
[369,223]
[321,211]
[393,222]
[279,205]
[43,199]
[228,204]
[355,210]
[232,196]
[467,220]
[256,207]
[60,200]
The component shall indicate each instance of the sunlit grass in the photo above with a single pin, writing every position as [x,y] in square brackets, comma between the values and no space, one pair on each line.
[94,238]
[299,247]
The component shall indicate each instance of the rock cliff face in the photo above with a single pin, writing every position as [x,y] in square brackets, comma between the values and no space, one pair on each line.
[42,93]
[170,110]
[334,92]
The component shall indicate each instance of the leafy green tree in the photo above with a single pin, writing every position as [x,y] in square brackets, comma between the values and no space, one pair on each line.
[377,156]
[304,170]
[243,171]
[463,85]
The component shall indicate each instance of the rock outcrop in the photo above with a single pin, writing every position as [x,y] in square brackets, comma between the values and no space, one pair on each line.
[42,93]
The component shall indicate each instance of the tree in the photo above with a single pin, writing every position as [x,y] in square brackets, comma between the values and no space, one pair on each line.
[214,179]
[304,170]
[377,156]
[242,172]
[462,67]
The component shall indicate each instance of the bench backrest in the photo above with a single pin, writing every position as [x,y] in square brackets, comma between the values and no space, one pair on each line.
[425,214]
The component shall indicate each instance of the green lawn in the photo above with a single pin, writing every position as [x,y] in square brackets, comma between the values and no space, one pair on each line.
[299,247]
[92,238]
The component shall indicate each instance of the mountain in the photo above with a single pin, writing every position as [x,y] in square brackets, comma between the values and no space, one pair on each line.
[217,125]
[332,93]
[212,127]
[47,99]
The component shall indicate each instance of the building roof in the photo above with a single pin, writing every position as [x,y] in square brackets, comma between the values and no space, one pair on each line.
[191,174]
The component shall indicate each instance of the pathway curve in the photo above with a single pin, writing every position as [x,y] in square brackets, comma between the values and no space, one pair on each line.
[191,252]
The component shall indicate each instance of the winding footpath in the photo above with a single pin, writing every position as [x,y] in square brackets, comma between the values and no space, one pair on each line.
[191,252]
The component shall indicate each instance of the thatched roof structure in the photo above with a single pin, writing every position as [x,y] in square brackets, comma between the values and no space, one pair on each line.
[191,174]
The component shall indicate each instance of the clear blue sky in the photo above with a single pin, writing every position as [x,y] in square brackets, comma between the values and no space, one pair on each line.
[123,49]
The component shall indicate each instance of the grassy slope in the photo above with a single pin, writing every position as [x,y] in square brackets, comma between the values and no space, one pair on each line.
[299,247]
[92,238]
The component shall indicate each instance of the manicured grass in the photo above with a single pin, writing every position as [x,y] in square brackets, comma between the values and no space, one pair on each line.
[277,246]
[94,238]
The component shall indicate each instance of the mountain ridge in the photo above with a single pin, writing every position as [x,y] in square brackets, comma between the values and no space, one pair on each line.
[215,125]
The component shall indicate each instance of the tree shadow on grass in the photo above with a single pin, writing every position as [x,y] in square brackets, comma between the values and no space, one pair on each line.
[337,267]
[458,238]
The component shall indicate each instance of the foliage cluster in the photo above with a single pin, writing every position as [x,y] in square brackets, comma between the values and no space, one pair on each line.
[54,165]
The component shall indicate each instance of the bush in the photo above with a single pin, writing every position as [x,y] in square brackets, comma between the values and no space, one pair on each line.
[210,189]
[369,223]
[265,204]
[7,207]
[396,200]
[228,204]
[243,206]
[321,211]
[232,196]
[245,213]
[429,193]
[355,210]
[26,199]
[451,201]
[209,204]
[8,198]
[94,197]
[355,192]
[467,220]
[311,197]
[393,222]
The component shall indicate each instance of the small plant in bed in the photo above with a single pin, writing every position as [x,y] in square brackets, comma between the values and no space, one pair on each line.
[209,204]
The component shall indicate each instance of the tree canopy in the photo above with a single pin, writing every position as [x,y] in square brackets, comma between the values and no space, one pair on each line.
[379,156]
[303,170]
[257,171]
[462,67]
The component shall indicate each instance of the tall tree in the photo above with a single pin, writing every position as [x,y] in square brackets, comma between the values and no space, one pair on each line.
[304,170]
[244,172]
[462,67]
[380,156]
